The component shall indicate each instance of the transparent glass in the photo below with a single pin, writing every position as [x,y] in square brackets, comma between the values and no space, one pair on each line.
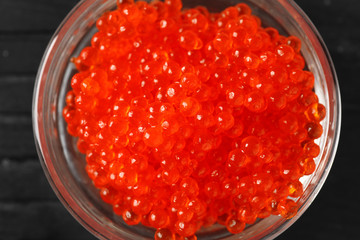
[64,165]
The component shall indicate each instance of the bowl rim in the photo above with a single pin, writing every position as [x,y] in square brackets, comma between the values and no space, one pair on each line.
[37,121]
[42,146]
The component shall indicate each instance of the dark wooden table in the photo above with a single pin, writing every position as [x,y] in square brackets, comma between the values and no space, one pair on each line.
[30,210]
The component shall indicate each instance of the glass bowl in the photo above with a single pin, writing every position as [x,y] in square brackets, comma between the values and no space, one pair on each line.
[64,165]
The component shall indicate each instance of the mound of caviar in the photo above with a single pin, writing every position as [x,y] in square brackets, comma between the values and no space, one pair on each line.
[189,118]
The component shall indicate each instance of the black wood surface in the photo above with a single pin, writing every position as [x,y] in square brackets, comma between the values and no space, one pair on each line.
[29,208]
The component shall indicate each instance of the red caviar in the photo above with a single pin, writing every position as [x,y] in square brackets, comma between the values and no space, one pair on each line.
[188,118]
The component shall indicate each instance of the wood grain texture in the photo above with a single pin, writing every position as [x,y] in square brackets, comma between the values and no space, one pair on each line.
[29,208]
[39,220]
[17,181]
[33,16]
[16,139]
[16,94]
[21,54]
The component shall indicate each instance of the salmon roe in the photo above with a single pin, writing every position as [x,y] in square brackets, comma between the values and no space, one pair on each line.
[188,118]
